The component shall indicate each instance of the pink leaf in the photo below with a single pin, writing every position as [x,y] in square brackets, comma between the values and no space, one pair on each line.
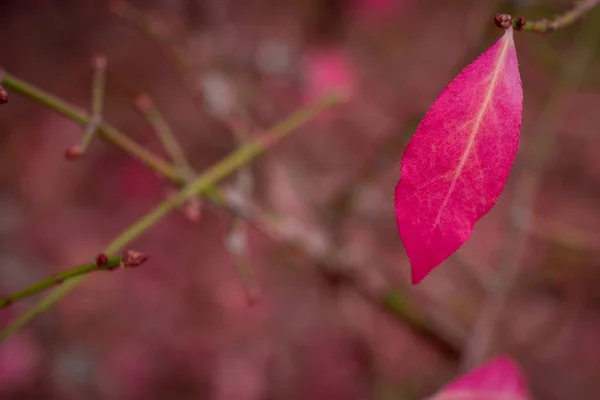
[500,379]
[456,164]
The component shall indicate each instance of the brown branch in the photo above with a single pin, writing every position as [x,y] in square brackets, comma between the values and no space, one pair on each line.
[338,270]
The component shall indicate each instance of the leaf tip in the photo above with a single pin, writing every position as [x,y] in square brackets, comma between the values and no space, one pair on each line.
[417,275]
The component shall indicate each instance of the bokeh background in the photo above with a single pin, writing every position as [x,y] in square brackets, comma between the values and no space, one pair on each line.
[337,317]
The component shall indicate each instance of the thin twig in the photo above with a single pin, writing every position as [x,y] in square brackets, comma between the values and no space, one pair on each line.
[98,87]
[107,131]
[99,64]
[146,106]
[237,244]
[102,263]
[206,181]
[579,10]
[340,270]
[237,240]
[167,44]
[481,341]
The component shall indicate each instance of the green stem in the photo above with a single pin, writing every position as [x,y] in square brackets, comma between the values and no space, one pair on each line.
[105,130]
[98,84]
[203,183]
[579,10]
[222,169]
[59,278]
[165,134]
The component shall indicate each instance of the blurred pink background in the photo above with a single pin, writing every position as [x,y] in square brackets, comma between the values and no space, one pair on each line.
[339,321]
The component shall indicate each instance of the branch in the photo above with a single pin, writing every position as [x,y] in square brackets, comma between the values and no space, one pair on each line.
[98,85]
[130,259]
[107,131]
[153,30]
[266,224]
[157,120]
[237,239]
[167,45]
[579,10]
[205,182]
[338,270]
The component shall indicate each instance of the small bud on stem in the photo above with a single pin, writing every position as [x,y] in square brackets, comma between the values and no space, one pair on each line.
[74,152]
[133,258]
[520,24]
[101,260]
[143,102]
[503,21]
[99,62]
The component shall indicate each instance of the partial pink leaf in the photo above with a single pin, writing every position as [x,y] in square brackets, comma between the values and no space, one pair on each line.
[500,379]
[456,164]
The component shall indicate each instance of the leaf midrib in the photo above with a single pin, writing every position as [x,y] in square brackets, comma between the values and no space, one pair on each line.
[498,66]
